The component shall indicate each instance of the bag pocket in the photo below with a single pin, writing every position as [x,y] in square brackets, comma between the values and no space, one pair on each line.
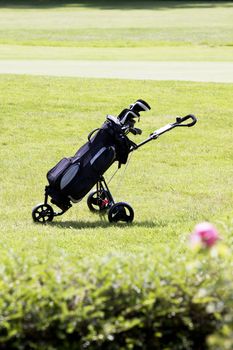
[56,172]
[69,175]
[102,160]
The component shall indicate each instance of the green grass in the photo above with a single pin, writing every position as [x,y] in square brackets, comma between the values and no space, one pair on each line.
[159,53]
[172,183]
[156,31]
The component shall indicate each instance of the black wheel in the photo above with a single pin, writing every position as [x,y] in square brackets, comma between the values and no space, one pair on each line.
[121,212]
[42,213]
[98,201]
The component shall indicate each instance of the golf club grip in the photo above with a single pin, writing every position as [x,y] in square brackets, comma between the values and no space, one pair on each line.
[189,116]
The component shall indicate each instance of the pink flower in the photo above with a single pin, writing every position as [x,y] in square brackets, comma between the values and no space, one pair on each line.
[205,234]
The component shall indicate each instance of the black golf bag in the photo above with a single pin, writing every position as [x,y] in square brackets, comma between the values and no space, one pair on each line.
[72,178]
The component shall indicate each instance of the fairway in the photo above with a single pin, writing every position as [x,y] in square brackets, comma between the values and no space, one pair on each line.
[182,178]
[152,30]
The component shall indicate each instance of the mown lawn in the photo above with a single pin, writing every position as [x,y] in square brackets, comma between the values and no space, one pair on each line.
[183,178]
[153,30]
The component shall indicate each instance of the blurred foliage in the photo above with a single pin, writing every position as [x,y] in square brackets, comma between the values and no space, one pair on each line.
[117,302]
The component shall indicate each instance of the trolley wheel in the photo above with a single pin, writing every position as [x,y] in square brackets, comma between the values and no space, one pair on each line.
[121,212]
[42,213]
[98,201]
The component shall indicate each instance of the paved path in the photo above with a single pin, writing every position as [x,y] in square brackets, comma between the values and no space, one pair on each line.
[193,71]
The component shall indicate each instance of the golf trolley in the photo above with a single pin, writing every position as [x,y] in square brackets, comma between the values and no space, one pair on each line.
[72,178]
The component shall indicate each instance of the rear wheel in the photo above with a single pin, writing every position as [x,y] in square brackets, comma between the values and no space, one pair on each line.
[98,201]
[42,213]
[121,212]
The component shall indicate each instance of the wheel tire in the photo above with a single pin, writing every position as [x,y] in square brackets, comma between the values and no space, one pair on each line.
[121,212]
[42,213]
[98,201]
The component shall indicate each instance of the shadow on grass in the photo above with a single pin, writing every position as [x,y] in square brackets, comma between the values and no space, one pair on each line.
[116,4]
[78,225]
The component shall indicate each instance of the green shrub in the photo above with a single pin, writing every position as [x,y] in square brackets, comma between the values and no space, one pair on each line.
[118,302]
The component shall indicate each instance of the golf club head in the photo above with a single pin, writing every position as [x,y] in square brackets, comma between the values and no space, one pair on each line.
[139,106]
[127,116]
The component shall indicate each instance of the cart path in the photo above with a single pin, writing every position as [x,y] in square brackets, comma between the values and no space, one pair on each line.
[143,70]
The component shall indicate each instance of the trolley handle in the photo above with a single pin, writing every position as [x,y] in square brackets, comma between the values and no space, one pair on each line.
[180,121]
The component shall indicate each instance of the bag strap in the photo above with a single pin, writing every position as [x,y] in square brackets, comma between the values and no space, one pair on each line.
[91,134]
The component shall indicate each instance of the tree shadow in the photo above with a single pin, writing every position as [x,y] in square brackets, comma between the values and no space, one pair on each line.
[79,225]
[113,4]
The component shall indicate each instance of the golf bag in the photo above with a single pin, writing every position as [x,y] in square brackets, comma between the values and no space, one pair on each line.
[73,177]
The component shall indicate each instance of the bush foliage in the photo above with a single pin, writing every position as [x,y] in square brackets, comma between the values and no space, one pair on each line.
[117,302]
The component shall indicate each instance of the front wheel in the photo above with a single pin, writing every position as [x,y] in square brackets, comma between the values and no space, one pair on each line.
[121,212]
[42,213]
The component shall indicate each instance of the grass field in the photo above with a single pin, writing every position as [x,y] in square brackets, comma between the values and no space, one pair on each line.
[183,178]
[156,30]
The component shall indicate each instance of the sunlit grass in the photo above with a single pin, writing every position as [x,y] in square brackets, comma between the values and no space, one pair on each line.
[159,31]
[157,53]
[172,183]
